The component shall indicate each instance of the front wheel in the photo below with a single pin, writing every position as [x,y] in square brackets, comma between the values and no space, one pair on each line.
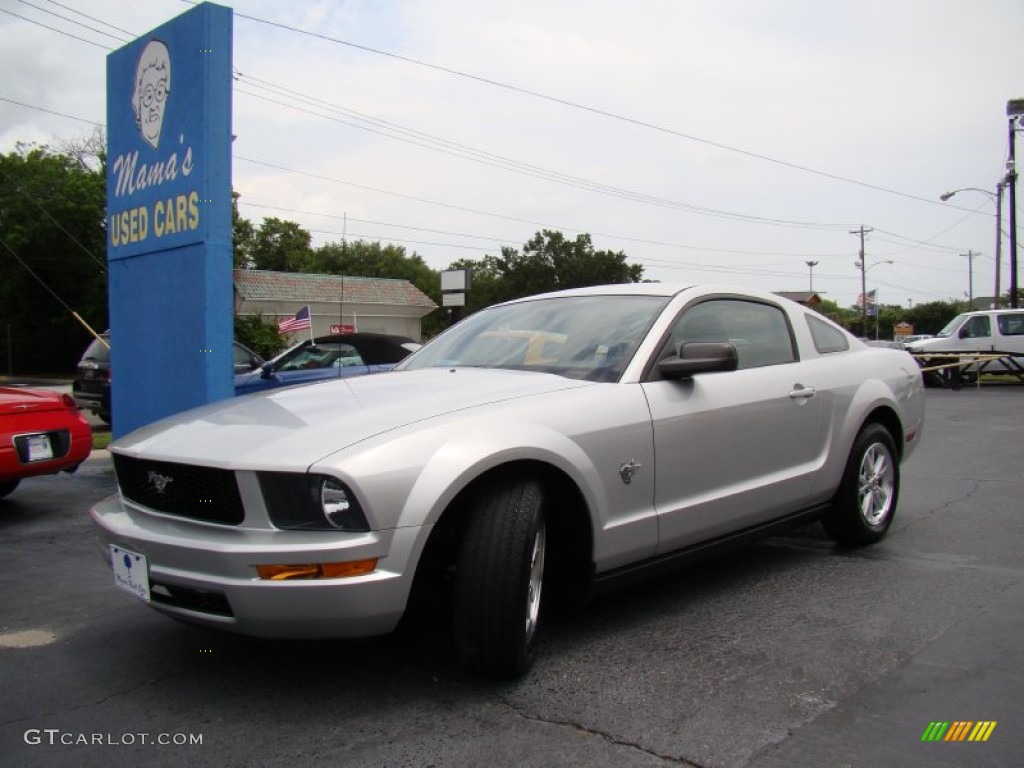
[500,577]
[864,506]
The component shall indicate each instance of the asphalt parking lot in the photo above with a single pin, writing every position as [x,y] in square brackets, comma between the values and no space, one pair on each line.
[789,653]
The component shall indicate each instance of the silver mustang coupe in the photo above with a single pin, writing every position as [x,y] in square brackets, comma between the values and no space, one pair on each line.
[536,451]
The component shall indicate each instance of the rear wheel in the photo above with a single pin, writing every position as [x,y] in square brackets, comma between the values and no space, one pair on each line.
[863,509]
[7,486]
[500,577]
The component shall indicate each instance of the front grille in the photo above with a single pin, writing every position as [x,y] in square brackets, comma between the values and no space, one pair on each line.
[198,493]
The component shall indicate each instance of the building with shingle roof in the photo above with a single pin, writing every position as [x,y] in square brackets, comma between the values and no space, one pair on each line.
[337,303]
[808,298]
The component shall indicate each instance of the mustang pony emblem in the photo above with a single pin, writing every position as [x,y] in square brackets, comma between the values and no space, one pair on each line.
[627,470]
[158,481]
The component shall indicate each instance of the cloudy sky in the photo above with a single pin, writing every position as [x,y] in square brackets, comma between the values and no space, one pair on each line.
[726,141]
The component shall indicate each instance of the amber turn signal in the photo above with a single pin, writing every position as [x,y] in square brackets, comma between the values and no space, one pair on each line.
[317,570]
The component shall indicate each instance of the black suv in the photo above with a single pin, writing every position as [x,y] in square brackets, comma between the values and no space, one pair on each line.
[91,388]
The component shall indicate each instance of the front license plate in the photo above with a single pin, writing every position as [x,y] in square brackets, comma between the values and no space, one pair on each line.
[39,448]
[131,572]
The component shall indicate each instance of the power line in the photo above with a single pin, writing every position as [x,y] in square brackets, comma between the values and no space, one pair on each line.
[73,21]
[434,143]
[584,107]
[54,29]
[641,241]
[52,112]
[37,277]
[37,204]
[131,35]
[399,195]
[491,214]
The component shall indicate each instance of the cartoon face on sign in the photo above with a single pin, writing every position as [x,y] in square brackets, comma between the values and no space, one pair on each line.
[152,88]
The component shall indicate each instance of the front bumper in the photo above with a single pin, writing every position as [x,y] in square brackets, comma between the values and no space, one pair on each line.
[206,574]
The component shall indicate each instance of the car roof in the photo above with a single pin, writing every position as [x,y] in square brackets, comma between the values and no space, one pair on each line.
[616,289]
[666,290]
[374,348]
[993,312]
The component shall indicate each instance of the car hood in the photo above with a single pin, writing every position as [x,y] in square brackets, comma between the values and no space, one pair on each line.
[17,401]
[292,428]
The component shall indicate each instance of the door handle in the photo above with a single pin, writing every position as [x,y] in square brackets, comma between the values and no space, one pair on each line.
[801,392]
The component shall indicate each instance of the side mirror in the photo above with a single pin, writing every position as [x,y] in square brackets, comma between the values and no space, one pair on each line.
[266,369]
[699,357]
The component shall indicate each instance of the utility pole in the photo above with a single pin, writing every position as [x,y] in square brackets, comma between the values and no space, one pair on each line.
[970,277]
[1014,108]
[1013,213]
[863,278]
[999,233]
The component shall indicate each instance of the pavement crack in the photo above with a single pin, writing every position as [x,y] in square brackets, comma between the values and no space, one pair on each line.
[83,705]
[973,491]
[535,718]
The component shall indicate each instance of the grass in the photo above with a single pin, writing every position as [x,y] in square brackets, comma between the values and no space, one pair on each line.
[100,439]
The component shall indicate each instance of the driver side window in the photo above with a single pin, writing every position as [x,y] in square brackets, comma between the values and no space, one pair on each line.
[760,332]
[977,327]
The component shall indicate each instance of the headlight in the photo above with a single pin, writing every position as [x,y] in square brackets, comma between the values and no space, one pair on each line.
[338,506]
[311,502]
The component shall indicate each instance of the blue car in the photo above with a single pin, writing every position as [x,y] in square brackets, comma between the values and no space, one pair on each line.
[91,387]
[328,357]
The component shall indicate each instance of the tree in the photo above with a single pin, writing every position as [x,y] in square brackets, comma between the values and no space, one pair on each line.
[52,254]
[848,318]
[258,335]
[243,235]
[932,316]
[281,246]
[548,262]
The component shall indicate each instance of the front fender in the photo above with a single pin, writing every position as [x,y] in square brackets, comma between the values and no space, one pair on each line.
[410,476]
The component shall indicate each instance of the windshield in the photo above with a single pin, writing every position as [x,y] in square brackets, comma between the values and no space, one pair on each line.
[324,355]
[950,327]
[581,337]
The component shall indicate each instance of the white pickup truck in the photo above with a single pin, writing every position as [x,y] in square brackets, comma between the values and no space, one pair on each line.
[987,332]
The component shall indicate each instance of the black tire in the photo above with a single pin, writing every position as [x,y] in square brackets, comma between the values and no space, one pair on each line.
[8,486]
[865,504]
[499,579]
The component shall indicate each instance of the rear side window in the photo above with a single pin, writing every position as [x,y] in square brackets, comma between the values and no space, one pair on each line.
[1011,325]
[827,338]
[97,352]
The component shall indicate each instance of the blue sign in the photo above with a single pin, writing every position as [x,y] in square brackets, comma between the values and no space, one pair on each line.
[169,218]
[165,181]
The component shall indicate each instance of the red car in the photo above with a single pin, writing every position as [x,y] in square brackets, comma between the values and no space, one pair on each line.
[41,433]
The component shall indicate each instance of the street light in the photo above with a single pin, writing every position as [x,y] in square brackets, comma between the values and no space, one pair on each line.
[811,265]
[997,198]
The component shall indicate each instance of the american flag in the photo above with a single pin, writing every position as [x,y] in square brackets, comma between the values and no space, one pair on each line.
[297,323]
[871,297]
